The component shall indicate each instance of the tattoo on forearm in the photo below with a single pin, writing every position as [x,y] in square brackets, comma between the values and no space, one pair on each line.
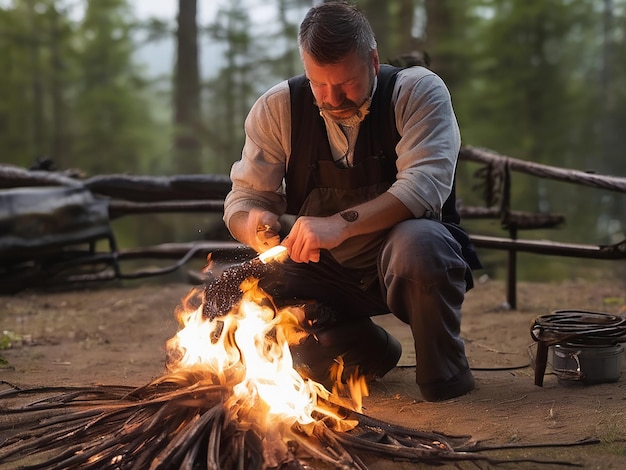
[349,215]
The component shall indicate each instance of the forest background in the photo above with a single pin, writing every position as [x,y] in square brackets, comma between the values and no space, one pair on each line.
[538,80]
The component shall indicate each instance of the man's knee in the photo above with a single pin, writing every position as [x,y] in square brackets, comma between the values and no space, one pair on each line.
[422,249]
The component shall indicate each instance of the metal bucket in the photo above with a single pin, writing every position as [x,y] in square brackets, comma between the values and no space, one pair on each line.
[590,364]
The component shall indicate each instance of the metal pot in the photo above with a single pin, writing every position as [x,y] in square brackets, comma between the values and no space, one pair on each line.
[590,364]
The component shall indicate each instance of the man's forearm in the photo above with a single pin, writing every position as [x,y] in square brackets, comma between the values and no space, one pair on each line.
[310,234]
[380,213]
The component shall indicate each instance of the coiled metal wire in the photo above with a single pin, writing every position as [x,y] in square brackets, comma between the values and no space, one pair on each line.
[579,327]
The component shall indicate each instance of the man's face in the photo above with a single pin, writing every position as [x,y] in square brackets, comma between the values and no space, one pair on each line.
[341,88]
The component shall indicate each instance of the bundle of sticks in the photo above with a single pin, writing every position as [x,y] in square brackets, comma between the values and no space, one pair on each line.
[181,422]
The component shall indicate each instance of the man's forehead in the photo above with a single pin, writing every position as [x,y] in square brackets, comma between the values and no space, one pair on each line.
[348,69]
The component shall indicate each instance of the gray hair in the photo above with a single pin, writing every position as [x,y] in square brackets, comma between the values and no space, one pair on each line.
[332,30]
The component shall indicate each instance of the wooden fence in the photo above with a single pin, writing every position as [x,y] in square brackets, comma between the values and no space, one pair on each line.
[129,195]
[497,171]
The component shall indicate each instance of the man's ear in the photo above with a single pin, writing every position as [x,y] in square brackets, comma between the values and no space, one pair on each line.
[375,61]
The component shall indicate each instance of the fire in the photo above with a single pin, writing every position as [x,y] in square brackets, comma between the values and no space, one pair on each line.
[233,399]
[247,350]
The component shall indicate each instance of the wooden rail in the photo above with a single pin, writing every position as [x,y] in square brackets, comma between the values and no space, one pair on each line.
[130,195]
[498,168]
[489,157]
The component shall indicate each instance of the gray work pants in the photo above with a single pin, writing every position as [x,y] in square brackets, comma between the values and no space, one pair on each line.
[422,281]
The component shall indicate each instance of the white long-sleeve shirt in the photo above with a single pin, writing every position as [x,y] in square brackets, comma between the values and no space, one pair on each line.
[427,150]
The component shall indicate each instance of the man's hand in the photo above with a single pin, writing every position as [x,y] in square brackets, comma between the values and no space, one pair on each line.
[257,229]
[311,234]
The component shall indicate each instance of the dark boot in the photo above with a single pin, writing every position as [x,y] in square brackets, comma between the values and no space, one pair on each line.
[364,347]
[458,385]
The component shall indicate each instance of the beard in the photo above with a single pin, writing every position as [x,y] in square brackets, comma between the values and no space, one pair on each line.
[348,110]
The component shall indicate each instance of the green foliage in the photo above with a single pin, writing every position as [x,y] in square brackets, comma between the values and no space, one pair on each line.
[518,77]
[73,94]
[541,82]
[252,63]
[21,86]
[109,102]
[9,339]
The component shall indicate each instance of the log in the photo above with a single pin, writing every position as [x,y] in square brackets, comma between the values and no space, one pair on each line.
[528,221]
[119,208]
[514,219]
[546,247]
[139,188]
[12,176]
[612,183]
[160,188]
[475,212]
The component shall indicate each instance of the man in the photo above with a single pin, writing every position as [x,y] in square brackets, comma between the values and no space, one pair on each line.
[365,156]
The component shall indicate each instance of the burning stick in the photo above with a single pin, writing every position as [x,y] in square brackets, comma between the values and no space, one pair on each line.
[224,292]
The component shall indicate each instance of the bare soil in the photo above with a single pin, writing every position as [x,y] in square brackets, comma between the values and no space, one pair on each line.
[115,334]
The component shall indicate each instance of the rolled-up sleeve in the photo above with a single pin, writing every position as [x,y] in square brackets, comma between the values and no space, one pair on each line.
[257,178]
[430,141]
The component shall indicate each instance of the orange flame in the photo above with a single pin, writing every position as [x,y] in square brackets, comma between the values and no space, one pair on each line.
[248,350]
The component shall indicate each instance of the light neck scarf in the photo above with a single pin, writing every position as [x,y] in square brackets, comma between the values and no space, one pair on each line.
[342,133]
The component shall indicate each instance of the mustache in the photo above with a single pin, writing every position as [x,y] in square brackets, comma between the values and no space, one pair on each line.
[345,106]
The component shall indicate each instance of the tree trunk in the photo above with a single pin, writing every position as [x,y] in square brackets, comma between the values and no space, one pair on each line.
[58,144]
[38,129]
[439,23]
[187,98]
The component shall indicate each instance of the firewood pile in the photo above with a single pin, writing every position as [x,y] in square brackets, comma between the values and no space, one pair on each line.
[177,422]
[181,422]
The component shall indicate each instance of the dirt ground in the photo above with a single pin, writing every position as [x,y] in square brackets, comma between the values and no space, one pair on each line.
[115,334]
